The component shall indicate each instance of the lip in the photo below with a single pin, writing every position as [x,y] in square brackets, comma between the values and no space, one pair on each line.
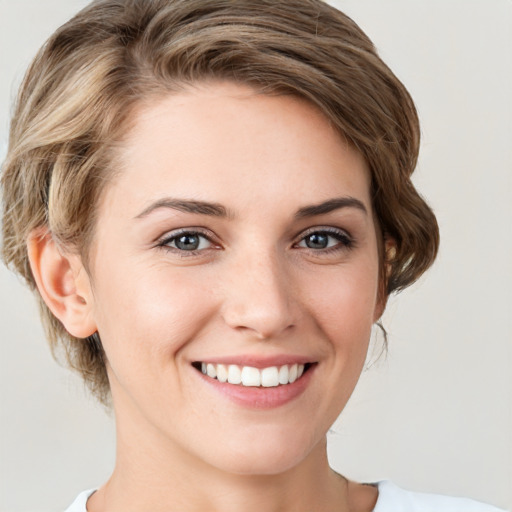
[260,397]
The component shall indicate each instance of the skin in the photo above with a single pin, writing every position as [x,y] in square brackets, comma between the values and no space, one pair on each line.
[253,287]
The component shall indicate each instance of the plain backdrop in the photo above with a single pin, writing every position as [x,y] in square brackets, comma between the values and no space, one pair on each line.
[436,413]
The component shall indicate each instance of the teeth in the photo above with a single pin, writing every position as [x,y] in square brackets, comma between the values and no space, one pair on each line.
[222,373]
[270,377]
[253,377]
[283,375]
[234,374]
[293,373]
[211,371]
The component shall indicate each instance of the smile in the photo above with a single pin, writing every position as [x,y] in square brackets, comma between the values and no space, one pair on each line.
[249,376]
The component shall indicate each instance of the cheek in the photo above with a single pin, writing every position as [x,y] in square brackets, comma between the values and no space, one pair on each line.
[345,304]
[149,315]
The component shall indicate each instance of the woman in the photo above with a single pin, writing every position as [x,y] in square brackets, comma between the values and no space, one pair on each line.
[213,200]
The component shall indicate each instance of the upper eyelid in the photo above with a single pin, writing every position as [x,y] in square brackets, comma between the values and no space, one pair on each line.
[174,233]
[164,240]
[322,229]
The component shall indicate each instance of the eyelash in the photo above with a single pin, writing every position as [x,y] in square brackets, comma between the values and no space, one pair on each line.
[165,241]
[345,241]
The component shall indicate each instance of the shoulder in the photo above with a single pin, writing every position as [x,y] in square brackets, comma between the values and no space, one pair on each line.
[394,499]
[80,503]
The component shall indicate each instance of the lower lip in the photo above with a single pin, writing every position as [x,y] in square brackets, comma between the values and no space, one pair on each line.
[261,397]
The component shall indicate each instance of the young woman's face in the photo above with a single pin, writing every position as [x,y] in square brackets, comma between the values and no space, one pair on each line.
[238,239]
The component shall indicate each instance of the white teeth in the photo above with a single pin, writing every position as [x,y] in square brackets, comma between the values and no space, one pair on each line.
[292,377]
[211,371]
[234,374]
[283,375]
[222,373]
[270,377]
[253,377]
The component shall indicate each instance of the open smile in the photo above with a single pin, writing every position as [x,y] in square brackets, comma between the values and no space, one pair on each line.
[249,376]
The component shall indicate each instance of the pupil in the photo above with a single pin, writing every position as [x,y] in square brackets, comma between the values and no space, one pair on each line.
[187,242]
[317,241]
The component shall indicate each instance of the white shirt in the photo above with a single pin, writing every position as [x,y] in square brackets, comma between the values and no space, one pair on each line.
[391,499]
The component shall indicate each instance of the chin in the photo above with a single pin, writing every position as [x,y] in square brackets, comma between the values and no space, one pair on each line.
[259,465]
[264,453]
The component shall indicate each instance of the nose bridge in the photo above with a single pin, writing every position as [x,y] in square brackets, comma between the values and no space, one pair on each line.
[259,295]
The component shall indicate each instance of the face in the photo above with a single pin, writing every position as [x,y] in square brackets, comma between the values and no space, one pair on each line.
[236,243]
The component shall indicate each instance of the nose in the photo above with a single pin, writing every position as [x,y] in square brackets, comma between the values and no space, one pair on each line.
[259,297]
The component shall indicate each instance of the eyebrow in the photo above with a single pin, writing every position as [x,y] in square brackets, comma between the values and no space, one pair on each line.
[217,210]
[329,206]
[187,206]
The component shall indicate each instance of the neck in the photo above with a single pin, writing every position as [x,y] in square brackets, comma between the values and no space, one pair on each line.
[168,480]
[162,473]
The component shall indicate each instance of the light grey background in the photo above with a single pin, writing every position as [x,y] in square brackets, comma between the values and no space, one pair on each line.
[436,414]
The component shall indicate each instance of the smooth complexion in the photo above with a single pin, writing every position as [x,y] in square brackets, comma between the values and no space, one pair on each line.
[240,231]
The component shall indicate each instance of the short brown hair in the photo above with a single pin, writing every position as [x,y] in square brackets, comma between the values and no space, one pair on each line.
[79,92]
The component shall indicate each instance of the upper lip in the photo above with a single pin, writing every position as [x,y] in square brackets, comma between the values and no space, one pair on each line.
[258,361]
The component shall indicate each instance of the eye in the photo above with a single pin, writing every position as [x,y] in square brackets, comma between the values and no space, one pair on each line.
[323,239]
[187,241]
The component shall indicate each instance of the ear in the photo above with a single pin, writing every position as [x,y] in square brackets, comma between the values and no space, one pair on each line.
[63,283]
[388,249]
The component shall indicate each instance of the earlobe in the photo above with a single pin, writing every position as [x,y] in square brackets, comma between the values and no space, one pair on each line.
[62,282]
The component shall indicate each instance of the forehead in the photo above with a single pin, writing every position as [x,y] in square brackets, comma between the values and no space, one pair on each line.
[224,139]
